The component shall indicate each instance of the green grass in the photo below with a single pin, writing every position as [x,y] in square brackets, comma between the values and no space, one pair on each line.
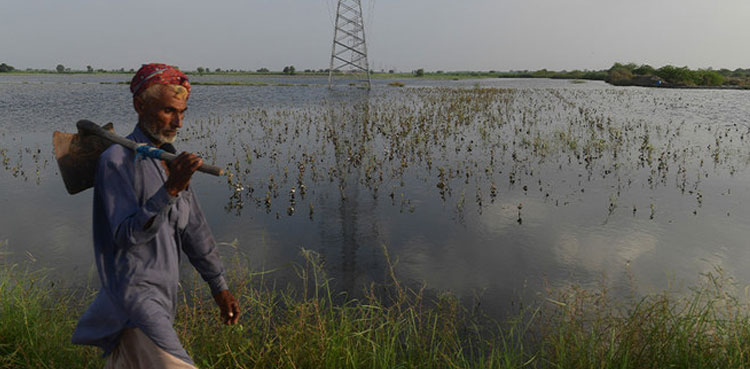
[36,323]
[309,326]
[707,328]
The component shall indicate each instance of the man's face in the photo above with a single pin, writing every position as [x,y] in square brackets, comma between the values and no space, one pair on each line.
[162,116]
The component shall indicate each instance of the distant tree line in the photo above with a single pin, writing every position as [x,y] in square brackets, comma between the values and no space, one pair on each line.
[619,74]
[629,74]
[288,70]
[544,73]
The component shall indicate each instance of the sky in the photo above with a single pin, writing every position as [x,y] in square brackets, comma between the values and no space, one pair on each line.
[404,35]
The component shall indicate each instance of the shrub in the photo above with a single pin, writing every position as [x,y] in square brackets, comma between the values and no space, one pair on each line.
[644,70]
[619,76]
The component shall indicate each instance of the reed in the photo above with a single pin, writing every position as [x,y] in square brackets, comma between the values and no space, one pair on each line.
[705,328]
[37,321]
[394,326]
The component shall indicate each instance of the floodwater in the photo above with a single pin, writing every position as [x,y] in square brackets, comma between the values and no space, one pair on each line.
[492,188]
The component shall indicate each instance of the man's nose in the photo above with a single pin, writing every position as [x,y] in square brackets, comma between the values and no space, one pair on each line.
[177,121]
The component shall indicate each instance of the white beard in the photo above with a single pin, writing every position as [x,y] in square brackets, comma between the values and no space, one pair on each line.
[165,139]
[157,136]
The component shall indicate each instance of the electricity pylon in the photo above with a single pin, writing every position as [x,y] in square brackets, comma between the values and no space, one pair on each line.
[349,52]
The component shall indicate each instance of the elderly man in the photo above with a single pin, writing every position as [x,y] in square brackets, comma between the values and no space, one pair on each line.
[144,214]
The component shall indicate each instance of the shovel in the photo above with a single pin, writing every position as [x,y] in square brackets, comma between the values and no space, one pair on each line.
[77,154]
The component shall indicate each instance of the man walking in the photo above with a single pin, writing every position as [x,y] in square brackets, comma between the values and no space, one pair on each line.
[144,213]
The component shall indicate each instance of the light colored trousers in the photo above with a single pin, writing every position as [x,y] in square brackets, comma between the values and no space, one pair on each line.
[137,351]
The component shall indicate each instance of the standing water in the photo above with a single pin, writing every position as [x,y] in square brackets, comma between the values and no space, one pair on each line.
[496,188]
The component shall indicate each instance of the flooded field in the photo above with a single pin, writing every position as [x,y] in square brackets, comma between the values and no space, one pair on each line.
[490,188]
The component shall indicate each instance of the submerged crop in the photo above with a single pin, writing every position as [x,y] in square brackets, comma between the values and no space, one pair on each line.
[433,144]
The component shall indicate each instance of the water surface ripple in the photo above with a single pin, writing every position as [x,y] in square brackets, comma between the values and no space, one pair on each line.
[496,188]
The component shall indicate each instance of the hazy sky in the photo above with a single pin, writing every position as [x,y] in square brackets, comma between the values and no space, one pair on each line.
[401,34]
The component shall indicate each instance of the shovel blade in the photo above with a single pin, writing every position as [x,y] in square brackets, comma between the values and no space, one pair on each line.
[77,156]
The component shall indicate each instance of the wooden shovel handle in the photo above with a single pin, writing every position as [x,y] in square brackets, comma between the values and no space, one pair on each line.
[89,127]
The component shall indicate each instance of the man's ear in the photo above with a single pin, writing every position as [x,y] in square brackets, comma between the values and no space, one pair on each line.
[138,105]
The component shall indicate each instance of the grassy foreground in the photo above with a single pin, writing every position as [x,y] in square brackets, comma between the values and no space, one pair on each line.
[395,327]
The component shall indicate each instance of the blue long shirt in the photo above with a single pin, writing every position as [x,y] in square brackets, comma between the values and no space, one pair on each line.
[138,261]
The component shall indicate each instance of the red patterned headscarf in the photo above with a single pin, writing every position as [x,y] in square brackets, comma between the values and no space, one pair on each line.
[156,73]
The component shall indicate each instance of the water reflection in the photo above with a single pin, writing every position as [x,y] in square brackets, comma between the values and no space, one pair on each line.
[501,190]
[347,132]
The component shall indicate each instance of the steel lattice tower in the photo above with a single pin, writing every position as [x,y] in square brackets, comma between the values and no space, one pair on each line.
[349,52]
